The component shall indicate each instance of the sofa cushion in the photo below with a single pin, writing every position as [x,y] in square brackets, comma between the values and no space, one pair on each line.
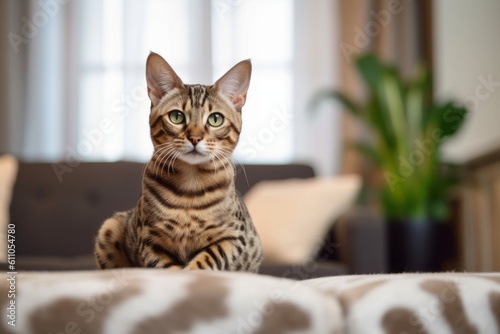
[8,172]
[53,263]
[248,176]
[60,216]
[292,217]
[314,269]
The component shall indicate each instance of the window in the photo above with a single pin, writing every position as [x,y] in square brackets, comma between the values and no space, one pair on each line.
[201,40]
[262,30]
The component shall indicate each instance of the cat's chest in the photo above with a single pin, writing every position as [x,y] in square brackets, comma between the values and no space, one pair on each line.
[186,195]
[186,233]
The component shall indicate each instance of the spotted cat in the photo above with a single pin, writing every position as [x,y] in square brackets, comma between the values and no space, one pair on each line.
[189,215]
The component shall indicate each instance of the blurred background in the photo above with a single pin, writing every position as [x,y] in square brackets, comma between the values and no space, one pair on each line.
[83,61]
[73,85]
[69,64]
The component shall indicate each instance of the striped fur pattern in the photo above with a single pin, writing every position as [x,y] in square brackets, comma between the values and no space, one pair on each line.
[189,215]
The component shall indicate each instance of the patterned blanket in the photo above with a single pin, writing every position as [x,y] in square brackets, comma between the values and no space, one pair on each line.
[160,301]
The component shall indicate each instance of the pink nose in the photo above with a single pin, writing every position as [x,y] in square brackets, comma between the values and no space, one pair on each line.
[195,139]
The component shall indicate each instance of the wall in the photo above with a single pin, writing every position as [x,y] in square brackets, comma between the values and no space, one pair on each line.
[3,83]
[467,55]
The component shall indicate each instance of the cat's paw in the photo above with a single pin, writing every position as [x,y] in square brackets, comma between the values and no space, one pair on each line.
[175,268]
[198,266]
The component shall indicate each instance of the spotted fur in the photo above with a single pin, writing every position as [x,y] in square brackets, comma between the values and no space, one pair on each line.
[189,215]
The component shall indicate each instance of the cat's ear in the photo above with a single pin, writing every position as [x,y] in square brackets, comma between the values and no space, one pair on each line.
[234,84]
[160,77]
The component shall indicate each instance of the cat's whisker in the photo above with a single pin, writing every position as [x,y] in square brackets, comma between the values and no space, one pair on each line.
[162,145]
[225,153]
[159,156]
[166,153]
[220,156]
[237,162]
[172,161]
[161,148]
[166,159]
[244,173]
[225,150]
[212,159]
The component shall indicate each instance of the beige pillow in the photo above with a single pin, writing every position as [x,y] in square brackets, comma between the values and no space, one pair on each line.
[8,172]
[293,216]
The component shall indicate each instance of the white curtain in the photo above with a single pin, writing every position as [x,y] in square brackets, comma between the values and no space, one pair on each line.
[34,118]
[317,135]
[77,88]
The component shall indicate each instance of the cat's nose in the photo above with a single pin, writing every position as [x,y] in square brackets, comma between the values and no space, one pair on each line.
[195,138]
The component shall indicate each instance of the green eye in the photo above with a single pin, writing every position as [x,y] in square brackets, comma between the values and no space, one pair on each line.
[176,116]
[216,119]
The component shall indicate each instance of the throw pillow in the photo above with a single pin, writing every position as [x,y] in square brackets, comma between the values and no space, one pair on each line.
[8,172]
[293,216]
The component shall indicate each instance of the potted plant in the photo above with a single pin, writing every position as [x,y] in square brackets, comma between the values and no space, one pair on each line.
[409,128]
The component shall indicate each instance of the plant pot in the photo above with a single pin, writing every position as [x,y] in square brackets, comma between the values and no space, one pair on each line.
[417,245]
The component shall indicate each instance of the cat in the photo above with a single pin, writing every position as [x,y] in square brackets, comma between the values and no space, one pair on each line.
[189,215]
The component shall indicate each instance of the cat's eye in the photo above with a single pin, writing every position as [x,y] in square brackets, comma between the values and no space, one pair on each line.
[176,116]
[216,119]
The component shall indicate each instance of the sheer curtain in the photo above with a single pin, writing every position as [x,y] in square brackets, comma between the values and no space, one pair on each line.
[34,120]
[77,87]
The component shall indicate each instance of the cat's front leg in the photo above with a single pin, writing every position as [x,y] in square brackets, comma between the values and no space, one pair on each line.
[154,254]
[218,256]
[160,261]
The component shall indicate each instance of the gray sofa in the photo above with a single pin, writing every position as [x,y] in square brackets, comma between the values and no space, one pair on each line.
[56,223]
[57,218]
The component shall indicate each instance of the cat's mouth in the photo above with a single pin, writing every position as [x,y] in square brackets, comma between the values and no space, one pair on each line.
[195,157]
[194,152]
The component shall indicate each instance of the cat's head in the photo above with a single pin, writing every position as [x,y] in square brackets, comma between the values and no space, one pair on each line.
[195,123]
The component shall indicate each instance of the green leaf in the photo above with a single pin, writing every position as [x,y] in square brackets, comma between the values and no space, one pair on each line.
[368,150]
[446,118]
[371,70]
[417,97]
[392,101]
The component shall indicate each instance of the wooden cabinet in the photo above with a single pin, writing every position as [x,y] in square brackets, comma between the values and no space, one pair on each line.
[480,214]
